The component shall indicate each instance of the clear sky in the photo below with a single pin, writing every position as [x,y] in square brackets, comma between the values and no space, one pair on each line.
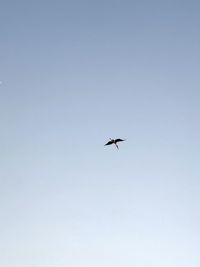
[73,74]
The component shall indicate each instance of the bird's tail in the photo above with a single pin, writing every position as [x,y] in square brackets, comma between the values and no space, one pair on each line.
[116,146]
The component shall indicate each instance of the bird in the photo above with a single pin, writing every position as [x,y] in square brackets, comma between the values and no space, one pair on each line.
[114,141]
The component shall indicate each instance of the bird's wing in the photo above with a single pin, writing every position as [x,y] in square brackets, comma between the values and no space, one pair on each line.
[109,143]
[119,140]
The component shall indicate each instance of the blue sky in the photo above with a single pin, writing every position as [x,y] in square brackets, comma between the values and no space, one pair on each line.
[73,74]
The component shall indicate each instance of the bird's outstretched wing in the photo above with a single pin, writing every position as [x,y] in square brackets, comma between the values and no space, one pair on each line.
[119,140]
[109,143]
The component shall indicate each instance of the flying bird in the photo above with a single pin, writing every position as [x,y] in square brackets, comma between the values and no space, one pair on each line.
[114,141]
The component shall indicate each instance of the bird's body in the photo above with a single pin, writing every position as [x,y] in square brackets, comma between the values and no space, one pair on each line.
[114,141]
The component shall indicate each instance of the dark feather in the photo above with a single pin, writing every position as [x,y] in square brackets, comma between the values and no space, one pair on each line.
[119,140]
[109,143]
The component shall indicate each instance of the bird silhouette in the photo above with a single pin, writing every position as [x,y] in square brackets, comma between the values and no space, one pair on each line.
[114,141]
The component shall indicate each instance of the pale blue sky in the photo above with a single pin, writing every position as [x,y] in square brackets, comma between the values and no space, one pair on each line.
[74,74]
